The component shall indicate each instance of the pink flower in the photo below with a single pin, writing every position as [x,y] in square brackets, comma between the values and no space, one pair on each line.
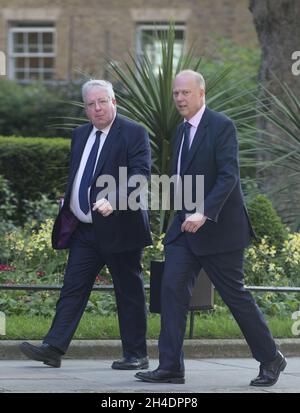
[101,280]
[4,267]
[40,273]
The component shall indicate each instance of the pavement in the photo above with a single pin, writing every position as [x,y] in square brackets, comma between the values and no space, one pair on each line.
[95,376]
[212,366]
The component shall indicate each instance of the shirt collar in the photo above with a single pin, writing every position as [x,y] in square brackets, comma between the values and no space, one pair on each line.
[196,119]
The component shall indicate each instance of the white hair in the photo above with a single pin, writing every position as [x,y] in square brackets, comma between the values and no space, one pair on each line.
[197,76]
[103,84]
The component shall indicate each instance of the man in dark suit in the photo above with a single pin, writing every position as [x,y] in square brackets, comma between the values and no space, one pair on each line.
[99,233]
[213,238]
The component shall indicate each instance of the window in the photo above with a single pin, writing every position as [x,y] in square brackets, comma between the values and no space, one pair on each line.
[31,53]
[148,42]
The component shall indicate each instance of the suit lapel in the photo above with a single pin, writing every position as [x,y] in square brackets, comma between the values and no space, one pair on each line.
[198,138]
[176,149]
[81,142]
[105,151]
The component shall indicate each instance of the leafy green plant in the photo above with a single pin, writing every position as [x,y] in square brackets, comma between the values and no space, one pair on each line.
[37,211]
[8,207]
[281,145]
[28,110]
[266,264]
[266,221]
[8,201]
[31,253]
[34,166]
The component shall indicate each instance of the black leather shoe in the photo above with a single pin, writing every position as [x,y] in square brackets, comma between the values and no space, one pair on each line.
[161,376]
[131,363]
[269,372]
[45,353]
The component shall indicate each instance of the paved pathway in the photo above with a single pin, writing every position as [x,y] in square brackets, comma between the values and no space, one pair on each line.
[95,376]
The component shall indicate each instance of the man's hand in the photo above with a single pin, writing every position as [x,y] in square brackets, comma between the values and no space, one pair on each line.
[193,222]
[103,207]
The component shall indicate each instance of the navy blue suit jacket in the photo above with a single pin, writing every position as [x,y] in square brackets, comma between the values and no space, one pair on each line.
[126,145]
[214,154]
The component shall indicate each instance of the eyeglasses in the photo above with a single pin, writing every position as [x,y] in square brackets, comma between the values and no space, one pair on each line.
[99,102]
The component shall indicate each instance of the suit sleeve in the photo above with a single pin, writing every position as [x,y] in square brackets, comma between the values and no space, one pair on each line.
[138,164]
[227,167]
[139,155]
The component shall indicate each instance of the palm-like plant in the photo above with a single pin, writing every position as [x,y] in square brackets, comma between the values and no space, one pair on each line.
[147,98]
[280,142]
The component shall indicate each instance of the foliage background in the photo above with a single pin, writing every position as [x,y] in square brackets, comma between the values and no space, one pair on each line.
[28,192]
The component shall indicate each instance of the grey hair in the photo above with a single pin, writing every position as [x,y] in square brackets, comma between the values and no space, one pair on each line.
[197,76]
[103,84]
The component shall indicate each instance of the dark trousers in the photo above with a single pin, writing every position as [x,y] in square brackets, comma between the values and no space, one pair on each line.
[84,263]
[226,273]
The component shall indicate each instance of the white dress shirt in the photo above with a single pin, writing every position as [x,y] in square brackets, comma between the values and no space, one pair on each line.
[194,122]
[74,201]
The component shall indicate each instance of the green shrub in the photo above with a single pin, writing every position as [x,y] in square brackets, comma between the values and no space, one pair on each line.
[31,251]
[266,221]
[31,110]
[38,211]
[34,166]
[8,204]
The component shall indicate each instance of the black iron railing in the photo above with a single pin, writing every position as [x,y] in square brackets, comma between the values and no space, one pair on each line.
[110,287]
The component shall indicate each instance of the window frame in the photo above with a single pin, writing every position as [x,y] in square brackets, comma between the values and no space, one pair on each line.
[155,27]
[12,55]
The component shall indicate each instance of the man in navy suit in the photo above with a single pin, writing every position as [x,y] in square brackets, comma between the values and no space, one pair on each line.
[99,233]
[213,237]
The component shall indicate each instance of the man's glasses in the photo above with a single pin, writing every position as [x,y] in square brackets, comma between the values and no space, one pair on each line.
[99,102]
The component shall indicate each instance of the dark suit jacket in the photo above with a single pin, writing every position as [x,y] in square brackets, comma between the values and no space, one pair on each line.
[126,145]
[214,154]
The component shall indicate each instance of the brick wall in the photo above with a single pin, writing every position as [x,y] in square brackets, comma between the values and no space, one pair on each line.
[91,30]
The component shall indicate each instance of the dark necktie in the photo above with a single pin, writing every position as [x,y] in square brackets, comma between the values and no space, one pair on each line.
[185,146]
[88,175]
